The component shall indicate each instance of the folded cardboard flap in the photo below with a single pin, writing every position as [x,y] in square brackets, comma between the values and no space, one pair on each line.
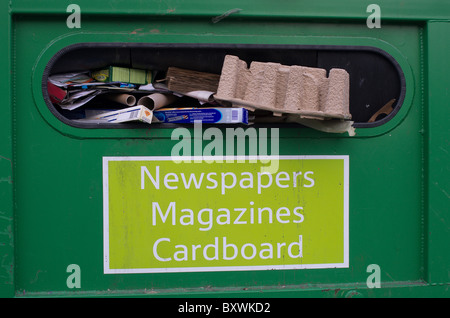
[184,81]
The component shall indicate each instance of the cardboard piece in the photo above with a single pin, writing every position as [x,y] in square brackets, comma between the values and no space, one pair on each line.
[123,74]
[205,115]
[281,89]
[135,113]
[56,94]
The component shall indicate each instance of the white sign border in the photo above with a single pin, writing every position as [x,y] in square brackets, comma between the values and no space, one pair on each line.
[107,270]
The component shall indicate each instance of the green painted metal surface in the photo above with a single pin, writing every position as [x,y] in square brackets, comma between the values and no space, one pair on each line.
[51,208]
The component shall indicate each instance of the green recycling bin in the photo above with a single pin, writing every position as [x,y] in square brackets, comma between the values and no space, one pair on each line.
[171,149]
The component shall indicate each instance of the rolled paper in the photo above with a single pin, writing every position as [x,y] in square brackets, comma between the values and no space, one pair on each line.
[125,99]
[156,100]
[202,96]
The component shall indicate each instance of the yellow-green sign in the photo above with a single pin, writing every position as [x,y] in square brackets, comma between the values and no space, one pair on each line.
[161,215]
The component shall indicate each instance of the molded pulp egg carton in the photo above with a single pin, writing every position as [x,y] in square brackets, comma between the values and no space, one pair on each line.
[305,91]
